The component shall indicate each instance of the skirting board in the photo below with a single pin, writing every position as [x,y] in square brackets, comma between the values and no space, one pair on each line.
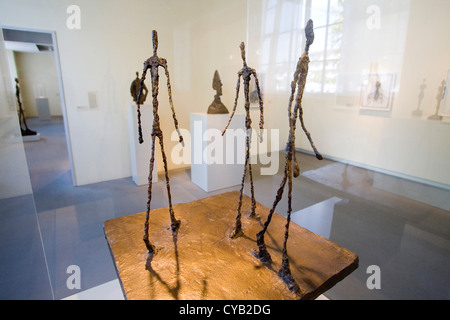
[380,170]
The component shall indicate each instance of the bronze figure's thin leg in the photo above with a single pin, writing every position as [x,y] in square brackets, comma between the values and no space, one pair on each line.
[237,231]
[285,273]
[252,190]
[263,254]
[150,247]
[175,224]
[238,225]
[248,127]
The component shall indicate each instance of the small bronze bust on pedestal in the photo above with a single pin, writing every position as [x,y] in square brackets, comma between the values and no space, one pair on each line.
[217,107]
[134,90]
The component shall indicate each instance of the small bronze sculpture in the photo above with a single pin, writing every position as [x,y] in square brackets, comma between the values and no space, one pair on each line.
[153,63]
[246,74]
[300,75]
[217,107]
[134,90]
[376,96]
[22,120]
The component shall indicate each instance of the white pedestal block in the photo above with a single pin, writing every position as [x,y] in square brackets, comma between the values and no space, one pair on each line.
[35,137]
[140,153]
[217,162]
[43,109]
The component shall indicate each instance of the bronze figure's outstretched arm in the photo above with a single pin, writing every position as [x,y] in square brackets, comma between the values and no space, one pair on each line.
[238,85]
[141,87]
[261,108]
[169,89]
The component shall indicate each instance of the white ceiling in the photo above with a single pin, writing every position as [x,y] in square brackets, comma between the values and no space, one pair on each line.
[21,46]
[27,41]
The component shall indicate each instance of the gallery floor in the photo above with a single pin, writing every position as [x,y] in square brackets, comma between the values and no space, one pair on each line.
[403,227]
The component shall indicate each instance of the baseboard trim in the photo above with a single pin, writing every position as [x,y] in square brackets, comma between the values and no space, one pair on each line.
[380,170]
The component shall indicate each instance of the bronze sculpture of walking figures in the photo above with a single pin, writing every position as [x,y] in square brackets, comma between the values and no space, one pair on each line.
[299,81]
[153,63]
[246,74]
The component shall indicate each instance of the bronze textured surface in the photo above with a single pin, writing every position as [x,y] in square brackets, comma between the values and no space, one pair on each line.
[203,262]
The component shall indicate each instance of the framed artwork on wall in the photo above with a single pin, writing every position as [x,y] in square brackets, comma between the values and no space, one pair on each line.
[444,106]
[376,91]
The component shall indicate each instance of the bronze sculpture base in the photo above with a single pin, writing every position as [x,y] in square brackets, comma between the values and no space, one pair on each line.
[202,262]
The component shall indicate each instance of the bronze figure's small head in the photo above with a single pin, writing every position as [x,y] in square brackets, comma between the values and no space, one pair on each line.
[309,32]
[155,42]
[242,46]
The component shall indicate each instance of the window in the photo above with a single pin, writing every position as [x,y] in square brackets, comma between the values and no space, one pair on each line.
[325,52]
[279,33]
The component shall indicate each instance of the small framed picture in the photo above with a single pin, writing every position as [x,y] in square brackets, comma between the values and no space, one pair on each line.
[376,91]
[444,105]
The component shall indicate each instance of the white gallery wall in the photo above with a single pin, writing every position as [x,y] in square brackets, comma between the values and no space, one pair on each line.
[100,60]
[406,39]
[197,37]
[402,141]
[14,178]
[37,75]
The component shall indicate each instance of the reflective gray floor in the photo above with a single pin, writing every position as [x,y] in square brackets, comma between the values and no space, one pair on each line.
[387,221]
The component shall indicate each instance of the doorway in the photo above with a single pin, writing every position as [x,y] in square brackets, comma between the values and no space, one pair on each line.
[34,60]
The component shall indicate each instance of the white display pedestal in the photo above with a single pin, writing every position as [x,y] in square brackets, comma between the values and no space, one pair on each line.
[35,137]
[43,109]
[140,153]
[217,162]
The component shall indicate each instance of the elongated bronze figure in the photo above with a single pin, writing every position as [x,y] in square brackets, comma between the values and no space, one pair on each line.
[246,74]
[27,131]
[153,63]
[299,81]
